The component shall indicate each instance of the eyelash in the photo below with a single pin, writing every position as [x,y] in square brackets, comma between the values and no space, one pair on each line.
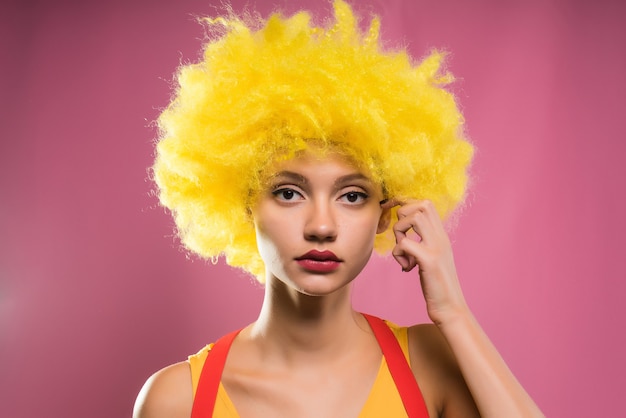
[279,193]
[360,195]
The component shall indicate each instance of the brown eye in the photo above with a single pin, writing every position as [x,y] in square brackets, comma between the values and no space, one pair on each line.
[354,197]
[286,194]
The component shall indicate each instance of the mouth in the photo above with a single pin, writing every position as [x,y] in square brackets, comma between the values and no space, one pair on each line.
[319,256]
[319,261]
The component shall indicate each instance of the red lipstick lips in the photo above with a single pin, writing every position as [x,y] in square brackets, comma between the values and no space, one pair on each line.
[319,261]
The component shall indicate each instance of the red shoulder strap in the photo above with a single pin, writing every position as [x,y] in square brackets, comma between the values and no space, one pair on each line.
[206,393]
[399,368]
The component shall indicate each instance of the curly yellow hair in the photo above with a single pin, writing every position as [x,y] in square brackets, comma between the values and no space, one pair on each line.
[265,90]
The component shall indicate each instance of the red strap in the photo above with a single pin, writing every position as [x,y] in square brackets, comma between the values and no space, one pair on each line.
[399,368]
[206,393]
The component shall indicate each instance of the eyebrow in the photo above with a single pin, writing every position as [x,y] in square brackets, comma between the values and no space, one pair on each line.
[303,180]
[353,177]
[298,178]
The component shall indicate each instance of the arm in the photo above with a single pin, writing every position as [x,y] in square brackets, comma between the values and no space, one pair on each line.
[166,394]
[493,387]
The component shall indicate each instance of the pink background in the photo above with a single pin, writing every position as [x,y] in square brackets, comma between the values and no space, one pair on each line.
[95,293]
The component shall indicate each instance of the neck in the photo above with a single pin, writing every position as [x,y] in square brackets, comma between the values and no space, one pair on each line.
[296,325]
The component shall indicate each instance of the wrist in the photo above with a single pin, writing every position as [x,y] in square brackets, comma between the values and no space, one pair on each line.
[453,317]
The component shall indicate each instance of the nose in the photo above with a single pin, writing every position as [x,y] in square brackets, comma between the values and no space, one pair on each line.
[321,223]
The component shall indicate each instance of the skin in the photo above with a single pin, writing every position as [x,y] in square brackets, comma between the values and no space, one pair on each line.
[309,354]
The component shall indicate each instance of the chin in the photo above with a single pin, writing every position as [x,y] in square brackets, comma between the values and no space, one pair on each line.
[317,285]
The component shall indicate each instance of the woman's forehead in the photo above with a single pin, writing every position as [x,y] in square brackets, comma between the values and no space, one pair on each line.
[309,162]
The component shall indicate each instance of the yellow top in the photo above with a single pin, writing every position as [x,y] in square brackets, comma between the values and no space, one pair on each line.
[384,399]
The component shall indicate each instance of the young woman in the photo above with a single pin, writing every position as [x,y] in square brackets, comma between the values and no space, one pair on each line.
[294,151]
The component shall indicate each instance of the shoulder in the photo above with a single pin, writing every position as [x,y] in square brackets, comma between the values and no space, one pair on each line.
[427,342]
[437,371]
[167,393]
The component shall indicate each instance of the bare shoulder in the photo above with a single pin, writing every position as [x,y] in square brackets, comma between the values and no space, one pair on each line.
[437,372]
[428,343]
[167,393]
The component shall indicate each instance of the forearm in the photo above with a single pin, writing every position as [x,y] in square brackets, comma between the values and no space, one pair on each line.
[493,386]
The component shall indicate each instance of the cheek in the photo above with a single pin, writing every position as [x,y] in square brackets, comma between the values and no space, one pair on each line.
[265,245]
[272,234]
[362,231]
[269,226]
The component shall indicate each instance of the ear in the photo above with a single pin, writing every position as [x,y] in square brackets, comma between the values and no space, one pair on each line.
[383,221]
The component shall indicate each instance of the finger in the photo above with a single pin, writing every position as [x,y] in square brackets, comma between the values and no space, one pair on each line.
[406,228]
[422,218]
[403,260]
[390,203]
[417,222]
[406,261]
[411,206]
[419,216]
[406,254]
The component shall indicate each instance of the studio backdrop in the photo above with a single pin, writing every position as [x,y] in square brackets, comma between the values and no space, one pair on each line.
[96,292]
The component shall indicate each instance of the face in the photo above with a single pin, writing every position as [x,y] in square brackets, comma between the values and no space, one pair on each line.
[316,222]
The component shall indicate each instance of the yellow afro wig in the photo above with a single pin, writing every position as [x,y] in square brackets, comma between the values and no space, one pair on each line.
[265,90]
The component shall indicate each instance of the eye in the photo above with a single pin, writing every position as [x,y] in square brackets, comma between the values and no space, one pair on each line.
[354,197]
[286,194]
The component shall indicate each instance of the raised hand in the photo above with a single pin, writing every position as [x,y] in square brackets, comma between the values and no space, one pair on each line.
[431,252]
